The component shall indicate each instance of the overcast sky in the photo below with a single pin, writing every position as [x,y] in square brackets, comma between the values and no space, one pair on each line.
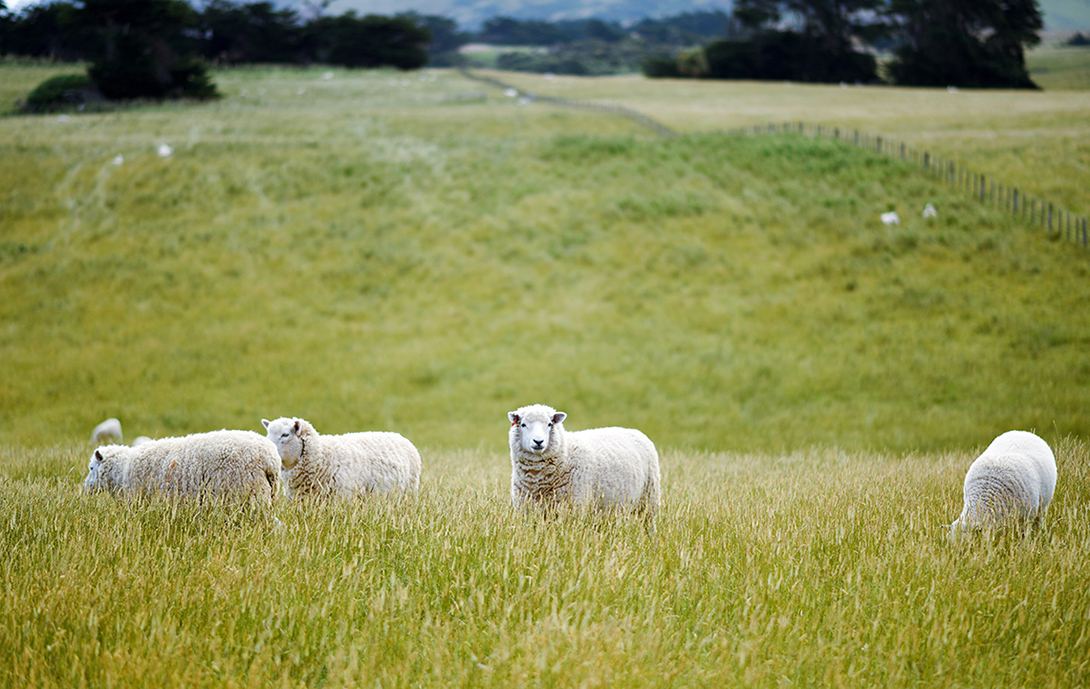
[1067,15]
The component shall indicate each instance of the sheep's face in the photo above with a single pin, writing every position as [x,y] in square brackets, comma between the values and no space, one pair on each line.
[94,467]
[534,428]
[286,435]
[101,470]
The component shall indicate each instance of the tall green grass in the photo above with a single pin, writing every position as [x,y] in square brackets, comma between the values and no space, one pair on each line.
[814,568]
[1060,68]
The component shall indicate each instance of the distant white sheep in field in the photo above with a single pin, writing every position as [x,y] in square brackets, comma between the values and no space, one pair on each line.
[1013,480]
[140,440]
[601,467]
[110,428]
[891,218]
[220,463]
[929,211]
[342,465]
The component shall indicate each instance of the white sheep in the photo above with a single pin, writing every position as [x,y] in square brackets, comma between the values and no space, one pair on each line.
[890,218]
[110,428]
[140,440]
[600,467]
[220,463]
[342,465]
[1013,480]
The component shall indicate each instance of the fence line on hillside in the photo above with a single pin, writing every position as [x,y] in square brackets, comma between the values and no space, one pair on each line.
[1034,209]
[619,110]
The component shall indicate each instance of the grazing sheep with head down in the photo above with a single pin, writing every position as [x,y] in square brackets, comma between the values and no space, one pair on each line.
[342,465]
[222,464]
[110,428]
[600,467]
[1013,480]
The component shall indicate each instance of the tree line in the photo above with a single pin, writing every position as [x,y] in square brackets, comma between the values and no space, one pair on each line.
[965,43]
[162,48]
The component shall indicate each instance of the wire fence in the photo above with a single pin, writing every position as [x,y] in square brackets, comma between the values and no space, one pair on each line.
[1033,209]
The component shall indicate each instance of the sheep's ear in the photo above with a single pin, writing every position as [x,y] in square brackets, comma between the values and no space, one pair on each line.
[559,417]
[512,417]
[295,428]
[265,423]
[98,455]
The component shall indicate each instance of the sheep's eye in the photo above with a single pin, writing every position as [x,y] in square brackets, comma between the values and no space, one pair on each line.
[523,425]
[283,435]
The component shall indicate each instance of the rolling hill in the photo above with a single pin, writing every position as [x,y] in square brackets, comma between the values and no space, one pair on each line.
[376,251]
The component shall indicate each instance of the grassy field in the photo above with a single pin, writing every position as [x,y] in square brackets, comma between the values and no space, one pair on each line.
[369,251]
[1056,68]
[1036,140]
[814,568]
[378,251]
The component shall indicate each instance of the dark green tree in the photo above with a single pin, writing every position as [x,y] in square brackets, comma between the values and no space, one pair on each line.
[800,40]
[250,33]
[446,39]
[370,41]
[143,49]
[832,26]
[966,43]
[46,30]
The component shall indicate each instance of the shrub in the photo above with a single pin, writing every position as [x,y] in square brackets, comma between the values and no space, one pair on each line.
[127,79]
[660,67]
[62,91]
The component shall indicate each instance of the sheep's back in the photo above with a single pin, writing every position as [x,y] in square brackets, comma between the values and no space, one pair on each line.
[219,462]
[621,464]
[371,460]
[998,486]
[1037,451]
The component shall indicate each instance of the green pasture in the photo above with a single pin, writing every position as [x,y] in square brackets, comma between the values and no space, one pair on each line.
[1060,67]
[393,251]
[1035,140]
[368,251]
[816,568]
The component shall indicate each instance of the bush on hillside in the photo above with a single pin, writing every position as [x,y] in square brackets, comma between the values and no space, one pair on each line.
[660,67]
[62,92]
[130,79]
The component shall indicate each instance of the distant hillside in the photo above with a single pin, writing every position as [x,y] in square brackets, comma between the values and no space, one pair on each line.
[1060,15]
[470,14]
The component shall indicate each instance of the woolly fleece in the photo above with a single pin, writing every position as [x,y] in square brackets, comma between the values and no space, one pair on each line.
[1014,479]
[600,467]
[342,465]
[218,463]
